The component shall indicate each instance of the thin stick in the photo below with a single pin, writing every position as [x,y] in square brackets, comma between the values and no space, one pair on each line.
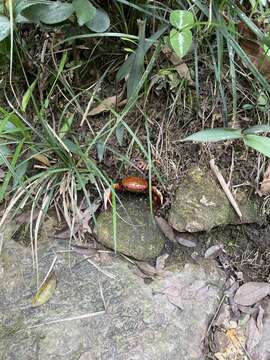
[111,276]
[225,187]
[66,319]
[49,271]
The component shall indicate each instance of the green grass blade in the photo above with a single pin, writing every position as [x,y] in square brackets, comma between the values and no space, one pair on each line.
[213,135]
[259,143]
[257,129]
[11,170]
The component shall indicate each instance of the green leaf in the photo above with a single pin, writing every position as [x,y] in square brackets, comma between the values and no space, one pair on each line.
[259,143]
[48,12]
[181,19]
[22,5]
[66,126]
[85,11]
[27,95]
[56,13]
[45,292]
[4,27]
[11,173]
[257,129]
[136,71]
[19,173]
[72,147]
[120,131]
[4,153]
[125,68]
[262,100]
[181,41]
[213,135]
[10,123]
[100,22]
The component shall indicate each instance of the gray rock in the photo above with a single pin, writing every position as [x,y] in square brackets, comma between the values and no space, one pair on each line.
[94,316]
[200,204]
[137,232]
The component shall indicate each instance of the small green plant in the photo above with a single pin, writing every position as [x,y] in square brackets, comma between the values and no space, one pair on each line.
[181,35]
[52,12]
[259,143]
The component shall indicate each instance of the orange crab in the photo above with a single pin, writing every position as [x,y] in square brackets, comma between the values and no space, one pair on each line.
[133,184]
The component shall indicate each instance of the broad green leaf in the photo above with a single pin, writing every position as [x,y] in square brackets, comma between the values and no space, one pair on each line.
[45,292]
[85,11]
[4,153]
[181,18]
[56,13]
[48,12]
[262,100]
[137,68]
[100,21]
[136,71]
[10,123]
[4,27]
[72,147]
[257,129]
[19,173]
[125,68]
[27,95]
[259,143]
[11,167]
[181,41]
[22,5]
[213,135]
[67,122]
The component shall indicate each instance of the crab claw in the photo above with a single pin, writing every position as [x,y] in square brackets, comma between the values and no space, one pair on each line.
[157,196]
[107,198]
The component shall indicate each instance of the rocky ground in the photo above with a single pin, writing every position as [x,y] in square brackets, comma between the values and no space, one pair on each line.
[165,293]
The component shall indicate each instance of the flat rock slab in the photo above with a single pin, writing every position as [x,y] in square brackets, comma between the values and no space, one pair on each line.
[93,316]
[200,204]
[137,234]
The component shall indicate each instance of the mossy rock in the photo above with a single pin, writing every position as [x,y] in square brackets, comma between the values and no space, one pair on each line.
[200,204]
[137,234]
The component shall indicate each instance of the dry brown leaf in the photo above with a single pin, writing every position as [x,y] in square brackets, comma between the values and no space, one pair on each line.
[230,344]
[251,292]
[107,104]
[146,268]
[166,228]
[180,66]
[42,159]
[250,44]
